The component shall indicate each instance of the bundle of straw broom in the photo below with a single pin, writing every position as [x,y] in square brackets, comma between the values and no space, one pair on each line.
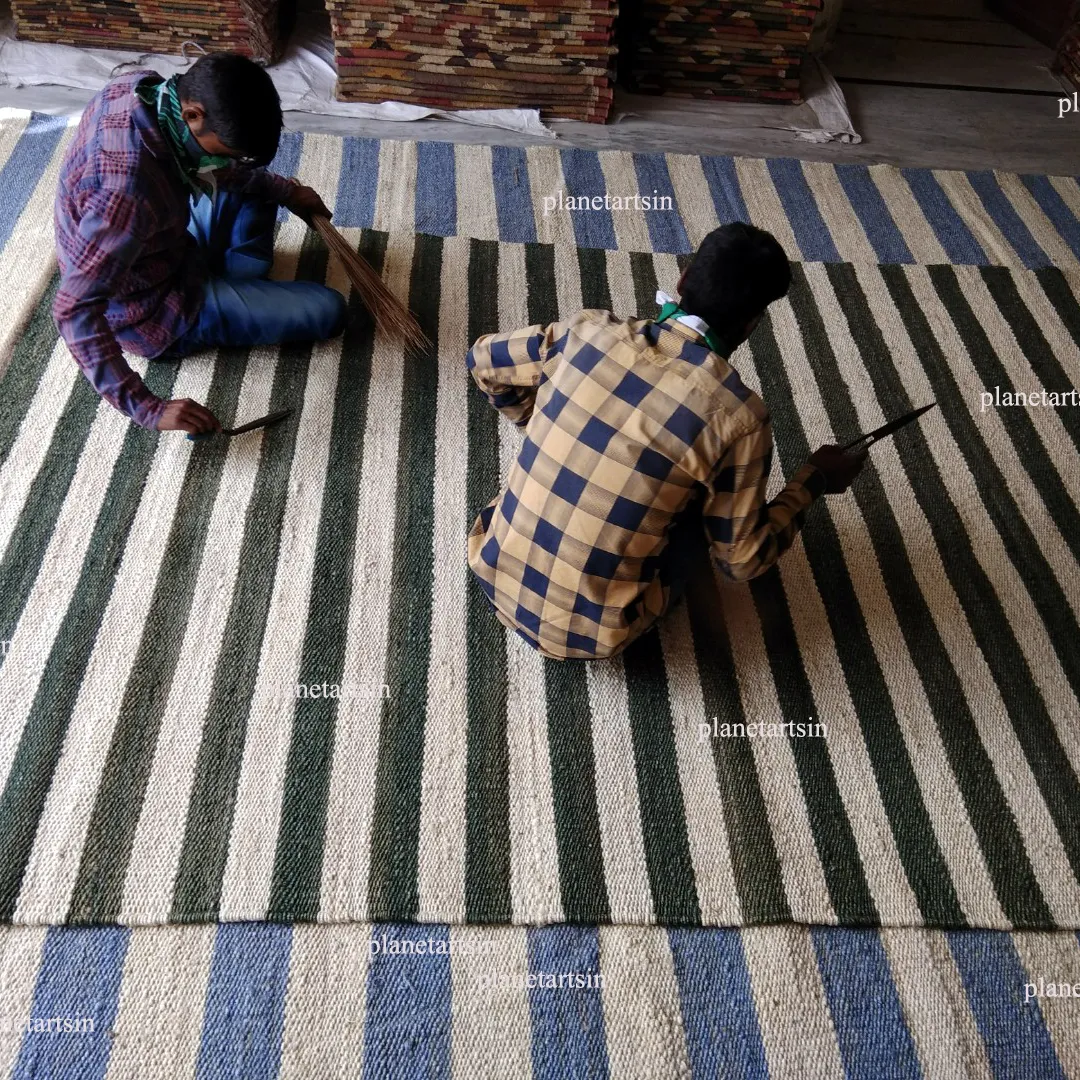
[390,314]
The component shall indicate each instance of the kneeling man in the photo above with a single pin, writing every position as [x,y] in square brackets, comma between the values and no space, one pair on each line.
[637,434]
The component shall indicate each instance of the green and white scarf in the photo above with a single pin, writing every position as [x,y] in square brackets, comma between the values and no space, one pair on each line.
[189,156]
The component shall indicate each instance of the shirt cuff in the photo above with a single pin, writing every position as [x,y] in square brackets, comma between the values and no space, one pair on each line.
[148,412]
[811,478]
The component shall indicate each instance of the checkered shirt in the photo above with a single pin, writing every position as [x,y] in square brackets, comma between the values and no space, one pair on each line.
[625,422]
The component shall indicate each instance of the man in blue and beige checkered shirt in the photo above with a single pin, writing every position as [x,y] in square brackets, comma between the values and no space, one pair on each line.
[635,430]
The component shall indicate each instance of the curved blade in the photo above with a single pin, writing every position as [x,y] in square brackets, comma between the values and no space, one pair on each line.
[885,430]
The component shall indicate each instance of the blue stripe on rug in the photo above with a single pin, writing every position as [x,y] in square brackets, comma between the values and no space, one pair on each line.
[245,1002]
[28,160]
[953,235]
[358,183]
[1007,219]
[874,1040]
[513,195]
[407,1026]
[436,189]
[1017,1042]
[1053,206]
[568,1040]
[801,207]
[79,978]
[723,1039]
[287,161]
[723,181]
[583,175]
[873,214]
[666,229]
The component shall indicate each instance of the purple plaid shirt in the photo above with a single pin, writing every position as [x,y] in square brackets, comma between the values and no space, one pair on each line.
[130,273]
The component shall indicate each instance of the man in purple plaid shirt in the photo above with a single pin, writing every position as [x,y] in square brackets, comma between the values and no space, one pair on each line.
[165,228]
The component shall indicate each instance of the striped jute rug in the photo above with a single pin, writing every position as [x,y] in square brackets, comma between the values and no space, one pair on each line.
[167,608]
[270,1002]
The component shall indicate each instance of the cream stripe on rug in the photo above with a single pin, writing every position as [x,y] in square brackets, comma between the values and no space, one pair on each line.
[441,873]
[351,800]
[51,594]
[36,433]
[489,1002]
[54,861]
[645,1040]
[935,1006]
[159,835]
[157,1033]
[917,232]
[796,1027]
[706,828]
[20,958]
[328,970]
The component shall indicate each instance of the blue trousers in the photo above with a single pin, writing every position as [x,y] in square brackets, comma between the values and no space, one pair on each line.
[240,306]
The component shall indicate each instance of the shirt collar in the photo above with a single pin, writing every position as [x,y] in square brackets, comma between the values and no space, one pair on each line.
[693,322]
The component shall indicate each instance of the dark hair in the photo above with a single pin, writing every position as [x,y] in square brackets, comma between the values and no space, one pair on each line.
[242,106]
[736,273]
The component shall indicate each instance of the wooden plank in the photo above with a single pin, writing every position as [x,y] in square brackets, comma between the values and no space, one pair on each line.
[885,59]
[963,31]
[972,9]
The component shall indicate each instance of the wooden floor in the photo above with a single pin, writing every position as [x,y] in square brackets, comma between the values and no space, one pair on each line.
[940,83]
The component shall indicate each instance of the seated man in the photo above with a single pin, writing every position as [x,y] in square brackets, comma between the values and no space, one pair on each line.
[164,231]
[633,430]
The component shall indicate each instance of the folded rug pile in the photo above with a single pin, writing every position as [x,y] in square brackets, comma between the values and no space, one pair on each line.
[250,27]
[719,48]
[478,55]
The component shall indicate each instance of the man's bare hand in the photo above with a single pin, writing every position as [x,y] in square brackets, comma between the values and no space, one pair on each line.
[183,414]
[838,468]
[306,202]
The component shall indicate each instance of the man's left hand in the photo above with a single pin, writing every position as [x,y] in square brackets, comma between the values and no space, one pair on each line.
[306,202]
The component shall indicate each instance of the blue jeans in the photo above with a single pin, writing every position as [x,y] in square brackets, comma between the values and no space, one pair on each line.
[240,306]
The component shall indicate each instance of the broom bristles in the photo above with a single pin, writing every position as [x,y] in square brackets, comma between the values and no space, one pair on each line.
[390,314]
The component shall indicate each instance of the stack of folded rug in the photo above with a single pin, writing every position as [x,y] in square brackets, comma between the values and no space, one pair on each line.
[1068,55]
[479,55]
[251,27]
[718,48]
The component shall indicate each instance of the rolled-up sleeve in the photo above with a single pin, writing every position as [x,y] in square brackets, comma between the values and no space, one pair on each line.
[747,532]
[507,367]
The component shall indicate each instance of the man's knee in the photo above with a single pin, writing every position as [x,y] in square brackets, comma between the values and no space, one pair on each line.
[332,320]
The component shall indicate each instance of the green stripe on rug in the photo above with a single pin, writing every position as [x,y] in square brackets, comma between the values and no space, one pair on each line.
[487,834]
[297,880]
[988,621]
[23,373]
[205,851]
[1001,844]
[396,824]
[829,822]
[897,783]
[107,850]
[42,738]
